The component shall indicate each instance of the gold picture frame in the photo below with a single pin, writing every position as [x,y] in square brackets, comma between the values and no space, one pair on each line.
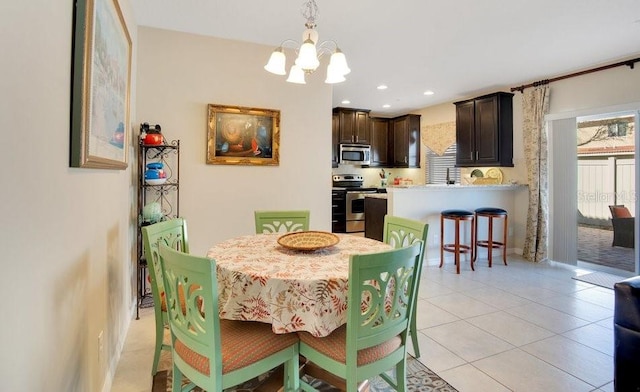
[100,94]
[239,135]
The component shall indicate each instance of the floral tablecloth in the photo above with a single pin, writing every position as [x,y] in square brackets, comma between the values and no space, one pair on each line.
[260,280]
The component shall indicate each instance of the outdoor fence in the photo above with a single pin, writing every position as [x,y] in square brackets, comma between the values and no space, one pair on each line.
[604,182]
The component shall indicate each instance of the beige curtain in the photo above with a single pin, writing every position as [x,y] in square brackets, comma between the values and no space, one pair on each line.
[535,104]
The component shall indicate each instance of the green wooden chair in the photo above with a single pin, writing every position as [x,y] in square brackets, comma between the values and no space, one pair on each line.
[216,354]
[374,340]
[281,221]
[173,233]
[400,232]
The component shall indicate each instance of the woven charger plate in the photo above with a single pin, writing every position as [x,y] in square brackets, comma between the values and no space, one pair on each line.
[308,240]
[495,173]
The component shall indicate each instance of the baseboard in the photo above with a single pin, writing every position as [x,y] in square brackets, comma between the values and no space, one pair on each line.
[449,257]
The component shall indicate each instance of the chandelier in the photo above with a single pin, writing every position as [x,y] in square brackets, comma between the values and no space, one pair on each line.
[309,53]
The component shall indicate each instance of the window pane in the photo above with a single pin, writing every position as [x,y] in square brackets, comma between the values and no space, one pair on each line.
[437,165]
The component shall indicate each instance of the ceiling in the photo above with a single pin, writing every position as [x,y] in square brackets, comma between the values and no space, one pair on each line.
[457,49]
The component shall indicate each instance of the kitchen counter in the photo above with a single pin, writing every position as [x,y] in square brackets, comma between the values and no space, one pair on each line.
[425,203]
[492,187]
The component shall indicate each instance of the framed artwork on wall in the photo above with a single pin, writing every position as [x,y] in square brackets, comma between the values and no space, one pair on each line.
[242,136]
[101,86]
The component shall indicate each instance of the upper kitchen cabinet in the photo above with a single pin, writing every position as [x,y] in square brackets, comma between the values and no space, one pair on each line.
[379,142]
[484,131]
[335,138]
[353,125]
[406,141]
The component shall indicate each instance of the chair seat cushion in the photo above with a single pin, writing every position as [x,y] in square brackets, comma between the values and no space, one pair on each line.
[491,210]
[457,213]
[243,343]
[335,346]
[620,212]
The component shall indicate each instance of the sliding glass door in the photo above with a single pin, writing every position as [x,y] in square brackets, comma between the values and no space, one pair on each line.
[606,190]
[593,199]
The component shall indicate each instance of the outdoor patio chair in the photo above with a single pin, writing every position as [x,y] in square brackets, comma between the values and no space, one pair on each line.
[623,226]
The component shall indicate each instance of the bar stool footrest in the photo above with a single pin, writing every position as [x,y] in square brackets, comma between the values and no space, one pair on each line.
[452,248]
[485,244]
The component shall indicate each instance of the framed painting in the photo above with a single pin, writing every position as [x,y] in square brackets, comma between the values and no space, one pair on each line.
[243,136]
[101,86]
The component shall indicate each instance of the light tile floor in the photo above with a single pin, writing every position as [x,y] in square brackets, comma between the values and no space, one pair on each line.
[522,327]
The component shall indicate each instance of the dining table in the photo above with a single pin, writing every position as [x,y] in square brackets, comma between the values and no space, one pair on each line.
[294,290]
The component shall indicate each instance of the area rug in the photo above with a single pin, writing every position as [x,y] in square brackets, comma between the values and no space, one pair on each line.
[601,279]
[420,378]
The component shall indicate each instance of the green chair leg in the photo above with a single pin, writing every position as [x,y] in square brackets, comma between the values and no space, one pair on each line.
[413,330]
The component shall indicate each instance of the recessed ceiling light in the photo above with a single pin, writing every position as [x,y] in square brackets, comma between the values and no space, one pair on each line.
[428,92]
[345,102]
[386,106]
[382,87]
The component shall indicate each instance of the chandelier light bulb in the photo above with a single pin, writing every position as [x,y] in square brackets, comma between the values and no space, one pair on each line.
[334,75]
[308,56]
[339,61]
[296,75]
[276,62]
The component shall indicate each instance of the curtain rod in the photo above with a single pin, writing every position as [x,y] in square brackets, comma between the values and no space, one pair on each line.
[628,63]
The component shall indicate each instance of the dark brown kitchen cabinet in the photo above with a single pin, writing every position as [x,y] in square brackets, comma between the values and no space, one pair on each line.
[353,125]
[405,141]
[374,211]
[338,211]
[484,131]
[379,142]
[335,140]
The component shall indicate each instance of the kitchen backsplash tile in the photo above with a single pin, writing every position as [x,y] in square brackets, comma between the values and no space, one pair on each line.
[372,175]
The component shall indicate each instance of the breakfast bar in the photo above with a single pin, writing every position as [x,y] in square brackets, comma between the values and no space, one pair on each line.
[426,202]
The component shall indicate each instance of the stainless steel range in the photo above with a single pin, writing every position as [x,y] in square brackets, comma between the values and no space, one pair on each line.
[348,203]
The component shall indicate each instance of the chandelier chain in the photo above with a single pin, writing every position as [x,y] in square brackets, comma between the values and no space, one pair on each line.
[310,13]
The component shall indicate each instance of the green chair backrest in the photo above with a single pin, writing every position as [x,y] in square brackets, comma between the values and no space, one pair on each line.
[388,282]
[400,232]
[173,233]
[197,326]
[281,221]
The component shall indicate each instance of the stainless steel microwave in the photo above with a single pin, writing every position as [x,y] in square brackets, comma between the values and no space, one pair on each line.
[355,154]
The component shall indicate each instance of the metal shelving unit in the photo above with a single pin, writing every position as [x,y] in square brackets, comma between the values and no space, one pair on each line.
[167,195]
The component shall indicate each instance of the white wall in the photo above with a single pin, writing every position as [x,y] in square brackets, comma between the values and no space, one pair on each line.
[67,236]
[178,75]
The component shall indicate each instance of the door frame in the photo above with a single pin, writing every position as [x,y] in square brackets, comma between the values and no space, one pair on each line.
[561,210]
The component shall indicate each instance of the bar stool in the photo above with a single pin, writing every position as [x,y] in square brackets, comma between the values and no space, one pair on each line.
[456,248]
[491,213]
